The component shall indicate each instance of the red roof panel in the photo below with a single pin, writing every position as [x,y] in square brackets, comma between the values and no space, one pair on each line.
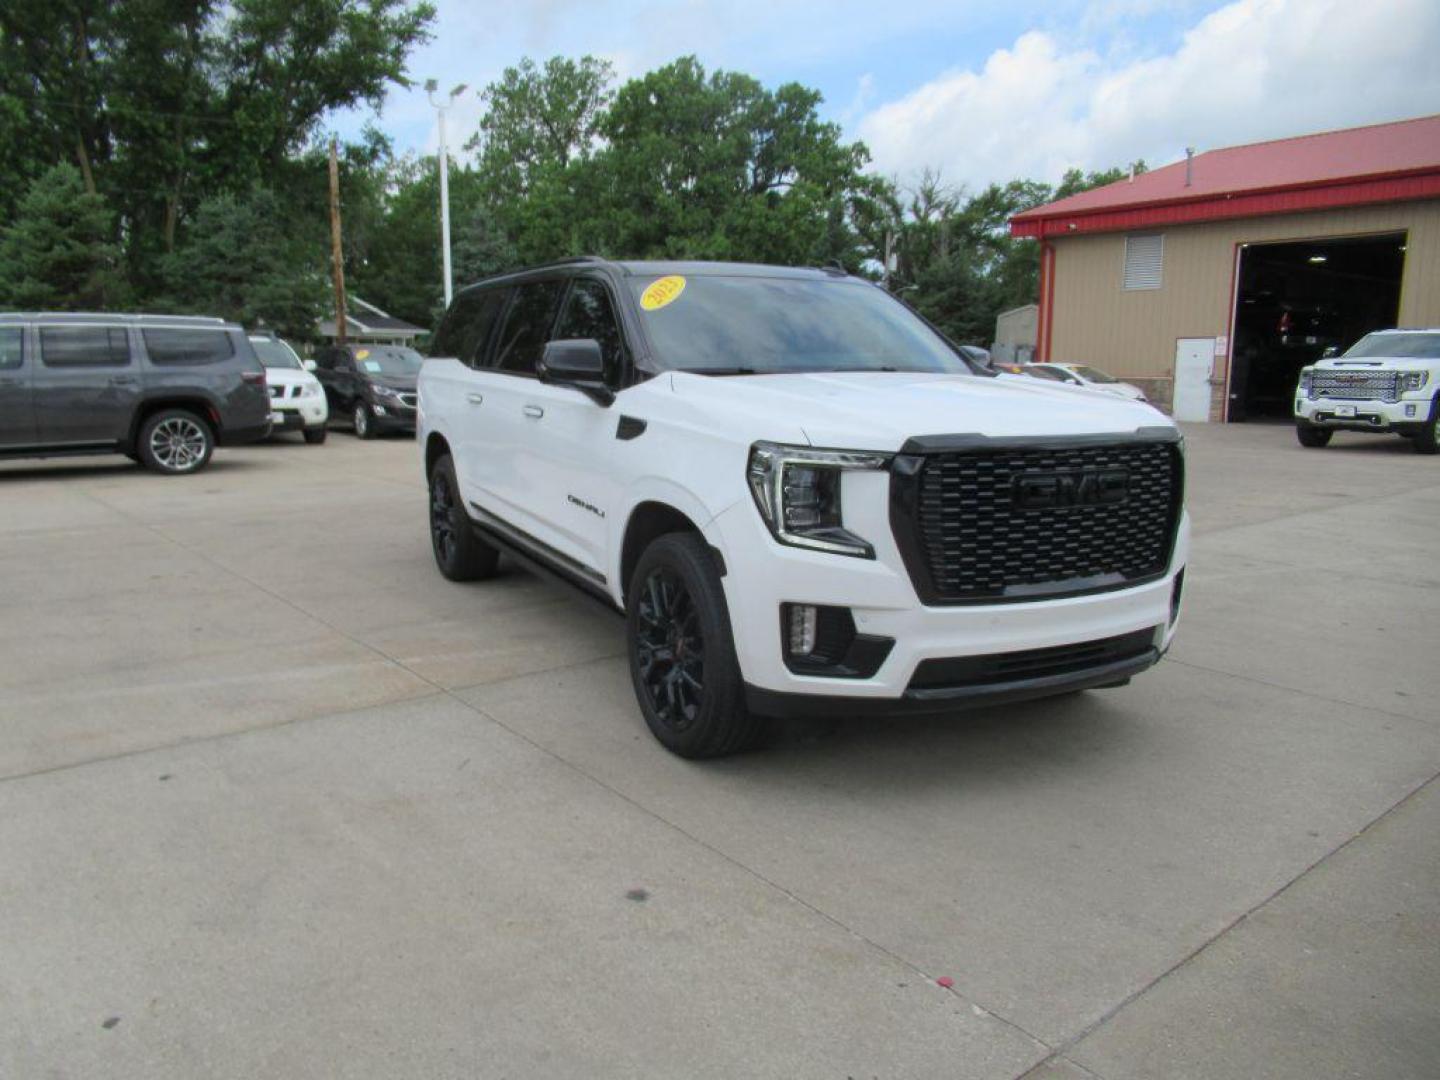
[1334,168]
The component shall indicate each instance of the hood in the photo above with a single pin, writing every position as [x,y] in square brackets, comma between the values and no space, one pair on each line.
[1376,363]
[395,382]
[880,410]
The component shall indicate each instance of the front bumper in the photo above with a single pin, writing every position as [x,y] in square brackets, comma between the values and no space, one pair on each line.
[883,602]
[296,415]
[388,415]
[1403,417]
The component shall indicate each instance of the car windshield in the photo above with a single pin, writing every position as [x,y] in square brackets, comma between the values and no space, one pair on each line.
[1400,346]
[1090,374]
[746,325]
[388,360]
[1039,371]
[274,353]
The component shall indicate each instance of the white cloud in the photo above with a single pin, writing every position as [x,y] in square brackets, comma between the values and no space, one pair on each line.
[1253,70]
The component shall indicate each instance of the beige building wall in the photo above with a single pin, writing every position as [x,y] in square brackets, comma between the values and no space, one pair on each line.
[1132,333]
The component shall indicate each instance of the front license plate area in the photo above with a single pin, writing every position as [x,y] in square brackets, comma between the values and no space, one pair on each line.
[1345,410]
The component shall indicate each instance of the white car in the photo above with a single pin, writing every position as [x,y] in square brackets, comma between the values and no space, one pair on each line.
[1387,382]
[1088,377]
[297,400]
[802,498]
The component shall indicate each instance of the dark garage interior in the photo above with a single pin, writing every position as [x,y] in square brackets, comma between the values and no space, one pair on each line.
[1297,299]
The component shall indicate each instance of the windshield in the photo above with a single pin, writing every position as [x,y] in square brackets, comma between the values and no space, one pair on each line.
[1093,375]
[1400,346]
[388,360]
[274,353]
[733,325]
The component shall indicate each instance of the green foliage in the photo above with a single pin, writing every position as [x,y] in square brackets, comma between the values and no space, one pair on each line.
[59,253]
[240,263]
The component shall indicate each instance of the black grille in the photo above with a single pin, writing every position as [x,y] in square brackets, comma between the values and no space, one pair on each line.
[970,534]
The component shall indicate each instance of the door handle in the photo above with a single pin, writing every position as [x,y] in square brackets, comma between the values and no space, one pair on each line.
[534,412]
[475,399]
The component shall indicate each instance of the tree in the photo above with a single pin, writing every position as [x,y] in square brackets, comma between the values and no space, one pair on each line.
[719,167]
[60,254]
[162,104]
[239,262]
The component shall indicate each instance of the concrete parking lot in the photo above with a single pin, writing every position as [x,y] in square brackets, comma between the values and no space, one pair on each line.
[278,801]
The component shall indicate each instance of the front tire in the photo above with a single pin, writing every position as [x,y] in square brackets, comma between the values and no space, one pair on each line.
[175,442]
[1427,439]
[1312,436]
[682,652]
[459,553]
[315,435]
[360,417]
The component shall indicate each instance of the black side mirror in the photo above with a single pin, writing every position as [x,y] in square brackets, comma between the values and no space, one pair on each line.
[576,362]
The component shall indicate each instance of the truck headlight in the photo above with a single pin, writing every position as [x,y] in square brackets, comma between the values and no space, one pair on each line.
[1412,380]
[384,391]
[797,491]
[1307,380]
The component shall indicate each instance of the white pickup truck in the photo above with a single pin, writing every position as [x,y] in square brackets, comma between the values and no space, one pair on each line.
[802,497]
[1388,382]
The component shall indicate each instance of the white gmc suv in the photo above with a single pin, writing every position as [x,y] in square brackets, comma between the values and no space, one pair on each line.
[1387,382]
[801,496]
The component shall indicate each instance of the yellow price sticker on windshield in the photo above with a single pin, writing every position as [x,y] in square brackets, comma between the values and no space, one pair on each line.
[361,354]
[662,291]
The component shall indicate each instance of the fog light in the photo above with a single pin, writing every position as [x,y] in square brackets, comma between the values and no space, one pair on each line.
[1409,410]
[802,629]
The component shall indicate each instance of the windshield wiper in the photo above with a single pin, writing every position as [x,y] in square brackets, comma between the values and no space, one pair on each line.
[718,371]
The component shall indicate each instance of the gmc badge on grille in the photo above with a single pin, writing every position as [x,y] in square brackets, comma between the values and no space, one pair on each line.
[1054,491]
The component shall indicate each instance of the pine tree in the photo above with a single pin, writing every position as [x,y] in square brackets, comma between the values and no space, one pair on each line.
[59,254]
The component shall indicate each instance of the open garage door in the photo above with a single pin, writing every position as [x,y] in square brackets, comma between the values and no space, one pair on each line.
[1296,299]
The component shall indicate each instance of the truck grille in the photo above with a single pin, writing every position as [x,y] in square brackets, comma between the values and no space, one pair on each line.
[1356,385]
[408,400]
[1024,520]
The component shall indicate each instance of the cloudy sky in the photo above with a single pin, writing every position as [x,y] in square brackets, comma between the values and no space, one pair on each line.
[983,89]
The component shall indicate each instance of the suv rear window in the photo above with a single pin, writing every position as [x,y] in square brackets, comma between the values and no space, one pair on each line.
[188,347]
[466,328]
[84,346]
[10,345]
[527,326]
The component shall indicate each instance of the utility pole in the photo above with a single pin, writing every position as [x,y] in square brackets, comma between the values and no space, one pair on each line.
[430,87]
[336,255]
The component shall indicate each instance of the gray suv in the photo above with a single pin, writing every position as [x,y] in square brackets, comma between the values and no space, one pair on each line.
[161,389]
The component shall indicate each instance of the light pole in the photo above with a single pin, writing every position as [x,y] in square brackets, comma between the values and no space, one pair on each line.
[430,87]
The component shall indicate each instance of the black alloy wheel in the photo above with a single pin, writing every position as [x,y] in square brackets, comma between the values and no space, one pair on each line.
[459,553]
[671,649]
[360,417]
[682,651]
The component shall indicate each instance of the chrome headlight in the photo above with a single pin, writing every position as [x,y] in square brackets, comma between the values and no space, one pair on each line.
[1307,380]
[311,390]
[797,491]
[384,391]
[1411,380]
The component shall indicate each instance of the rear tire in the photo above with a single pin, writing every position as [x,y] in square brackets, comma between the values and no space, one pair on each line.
[459,553]
[175,442]
[360,417]
[1427,439]
[682,652]
[1312,436]
[315,435]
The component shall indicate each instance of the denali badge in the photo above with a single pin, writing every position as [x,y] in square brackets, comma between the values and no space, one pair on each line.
[1053,491]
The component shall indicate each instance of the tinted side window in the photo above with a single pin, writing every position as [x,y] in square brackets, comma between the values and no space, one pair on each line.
[10,348]
[467,326]
[84,346]
[188,347]
[527,326]
[589,314]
